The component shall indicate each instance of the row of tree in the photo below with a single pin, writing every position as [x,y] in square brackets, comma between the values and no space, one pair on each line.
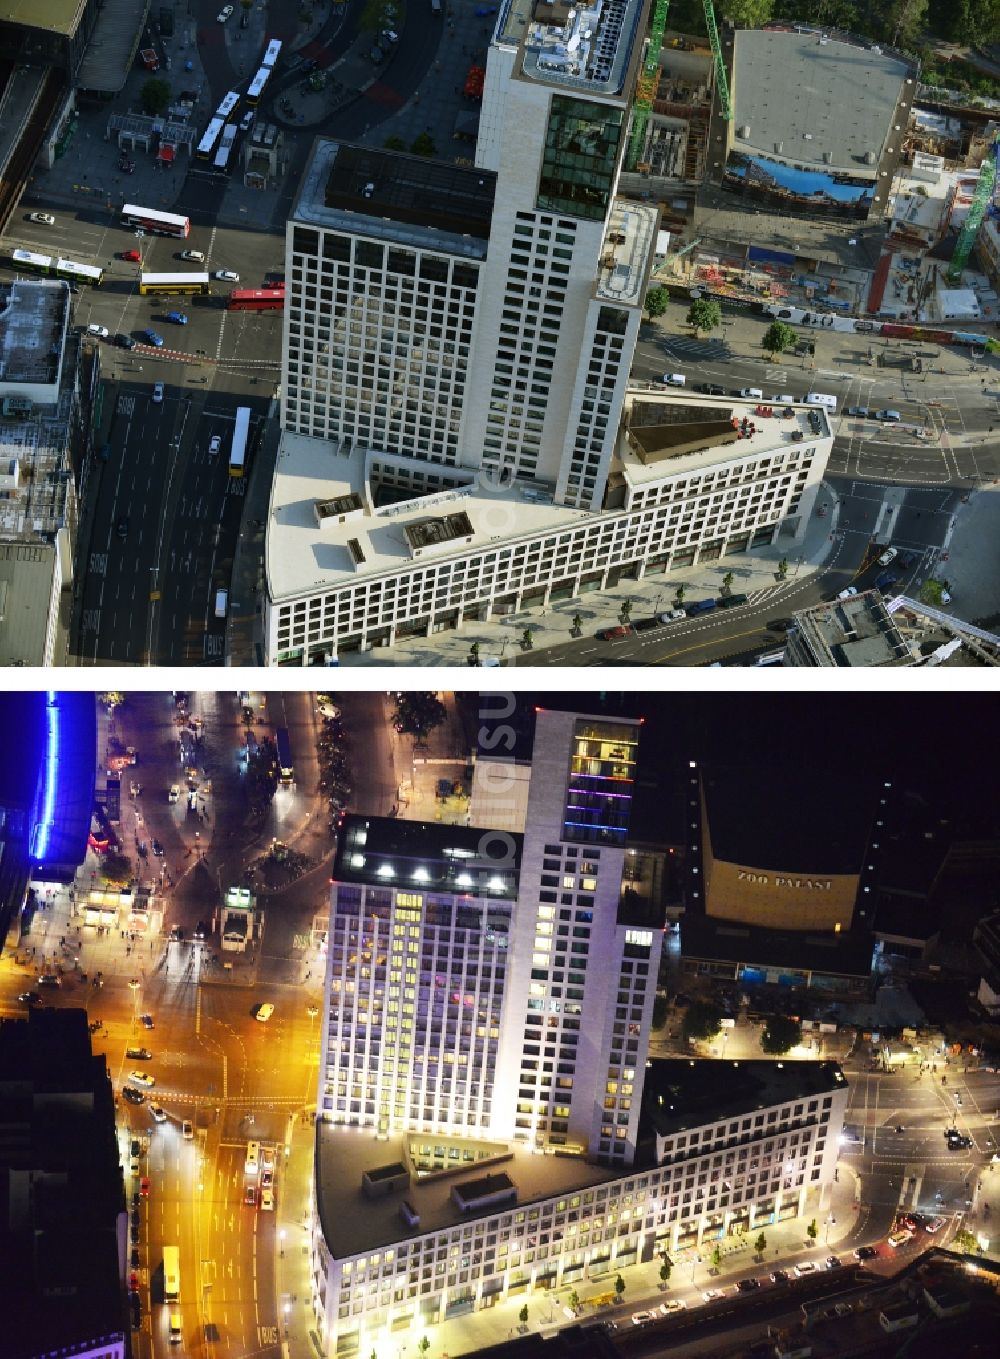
[902,23]
[705,315]
[703,1021]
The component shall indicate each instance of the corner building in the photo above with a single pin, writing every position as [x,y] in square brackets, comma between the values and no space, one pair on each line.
[483,1129]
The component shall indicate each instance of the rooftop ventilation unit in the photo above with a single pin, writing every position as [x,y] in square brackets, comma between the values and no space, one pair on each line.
[743,131]
[870,157]
[827,157]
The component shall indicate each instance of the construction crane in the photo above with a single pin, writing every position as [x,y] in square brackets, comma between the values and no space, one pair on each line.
[645,86]
[721,81]
[977,211]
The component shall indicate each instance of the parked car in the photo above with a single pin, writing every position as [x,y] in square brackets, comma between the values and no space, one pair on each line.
[780,1276]
[710,388]
[640,1318]
[673,379]
[732,601]
[42,218]
[889,555]
[712,1294]
[672,616]
[849,593]
[673,1305]
[609,634]
[179,318]
[861,411]
[101,332]
[195,255]
[132,256]
[151,337]
[702,606]
[227,276]
[646,624]
[267,1200]
[807,1267]
[139,1054]
[124,341]
[747,1285]
[224,13]
[833,1262]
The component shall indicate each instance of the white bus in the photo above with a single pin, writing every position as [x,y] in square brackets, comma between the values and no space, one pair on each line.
[228,105]
[161,223]
[257,86]
[171,1273]
[238,453]
[272,52]
[221,161]
[206,147]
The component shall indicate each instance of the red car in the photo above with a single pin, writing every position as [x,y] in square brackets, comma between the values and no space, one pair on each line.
[144,1186]
[132,256]
[609,634]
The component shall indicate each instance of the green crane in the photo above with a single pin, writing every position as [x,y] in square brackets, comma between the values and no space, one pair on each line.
[721,82]
[977,211]
[645,88]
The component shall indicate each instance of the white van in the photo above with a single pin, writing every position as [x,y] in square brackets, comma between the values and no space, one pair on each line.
[822,399]
[752,393]
[221,603]
[674,379]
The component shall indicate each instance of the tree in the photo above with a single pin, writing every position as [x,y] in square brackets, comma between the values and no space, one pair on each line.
[155,96]
[423,1344]
[523,1315]
[716,1256]
[746,13]
[965,1241]
[812,1231]
[702,1020]
[527,639]
[657,300]
[727,585]
[625,612]
[704,314]
[394,144]
[573,1300]
[778,337]
[760,1245]
[620,1287]
[418,713]
[781,1034]
[783,568]
[679,594]
[116,868]
[665,1271]
[904,21]
[423,145]
[474,654]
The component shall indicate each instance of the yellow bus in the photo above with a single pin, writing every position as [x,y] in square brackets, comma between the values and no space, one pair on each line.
[190,283]
[171,1273]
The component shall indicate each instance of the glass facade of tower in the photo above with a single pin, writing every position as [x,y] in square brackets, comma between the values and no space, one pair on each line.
[601,778]
[580,158]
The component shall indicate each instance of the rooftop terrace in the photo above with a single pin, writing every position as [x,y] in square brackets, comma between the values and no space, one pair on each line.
[683,1094]
[586,46]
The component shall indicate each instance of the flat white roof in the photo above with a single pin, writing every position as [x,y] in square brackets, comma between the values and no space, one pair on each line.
[771,433]
[303,556]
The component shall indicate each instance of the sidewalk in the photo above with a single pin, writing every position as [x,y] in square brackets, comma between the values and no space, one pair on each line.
[755,574]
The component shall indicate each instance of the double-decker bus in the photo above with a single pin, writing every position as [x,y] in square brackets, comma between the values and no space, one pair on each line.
[286,770]
[160,223]
[194,285]
[68,269]
[258,85]
[241,432]
[221,161]
[257,299]
[272,52]
[171,1274]
[206,147]
[228,106]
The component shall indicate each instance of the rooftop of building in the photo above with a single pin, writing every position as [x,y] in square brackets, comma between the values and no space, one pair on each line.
[686,1093]
[353,1223]
[847,954]
[853,632]
[395,196]
[34,315]
[587,47]
[54,16]
[670,433]
[794,816]
[628,252]
[824,101]
[308,550]
[938,638]
[61,1279]
[386,851]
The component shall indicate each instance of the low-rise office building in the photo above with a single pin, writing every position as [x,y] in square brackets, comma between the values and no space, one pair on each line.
[417,1229]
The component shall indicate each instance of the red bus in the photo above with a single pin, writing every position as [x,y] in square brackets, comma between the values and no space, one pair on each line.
[260,299]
